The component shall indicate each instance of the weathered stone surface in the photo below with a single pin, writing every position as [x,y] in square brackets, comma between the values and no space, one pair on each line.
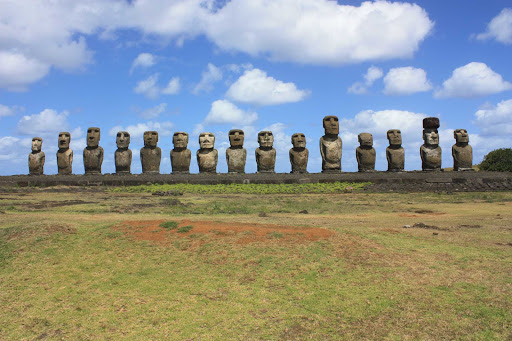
[430,151]
[123,155]
[365,153]
[299,154]
[462,152]
[93,153]
[236,155]
[207,156]
[36,158]
[64,154]
[331,145]
[180,155]
[265,153]
[150,154]
[395,153]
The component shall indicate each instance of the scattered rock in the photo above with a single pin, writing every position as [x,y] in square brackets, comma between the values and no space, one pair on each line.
[304,212]
[167,193]
[262,214]
[435,233]
[423,211]
[470,226]
[504,244]
[407,226]
[431,227]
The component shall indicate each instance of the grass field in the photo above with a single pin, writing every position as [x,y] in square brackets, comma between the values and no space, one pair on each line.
[127,264]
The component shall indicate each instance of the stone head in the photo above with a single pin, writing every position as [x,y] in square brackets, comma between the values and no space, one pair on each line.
[461,136]
[236,137]
[206,140]
[394,137]
[431,137]
[150,139]
[93,137]
[331,125]
[266,139]
[299,140]
[64,140]
[123,139]
[180,139]
[37,143]
[365,139]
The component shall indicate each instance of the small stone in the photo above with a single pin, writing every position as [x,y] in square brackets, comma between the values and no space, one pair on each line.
[407,226]
[304,212]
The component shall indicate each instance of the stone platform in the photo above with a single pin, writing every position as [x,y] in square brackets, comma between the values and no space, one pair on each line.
[414,181]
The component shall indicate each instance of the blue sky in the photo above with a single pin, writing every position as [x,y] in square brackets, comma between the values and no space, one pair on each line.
[280,65]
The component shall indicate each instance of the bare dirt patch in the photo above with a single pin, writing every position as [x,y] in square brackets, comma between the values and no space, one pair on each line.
[240,233]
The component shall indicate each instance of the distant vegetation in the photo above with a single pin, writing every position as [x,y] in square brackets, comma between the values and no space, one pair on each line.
[499,160]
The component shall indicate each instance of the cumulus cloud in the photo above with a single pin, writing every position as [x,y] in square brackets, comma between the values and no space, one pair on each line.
[225,112]
[17,71]
[143,60]
[209,77]
[149,87]
[154,112]
[137,131]
[500,28]
[47,122]
[255,87]
[372,74]
[406,81]
[495,120]
[5,110]
[473,80]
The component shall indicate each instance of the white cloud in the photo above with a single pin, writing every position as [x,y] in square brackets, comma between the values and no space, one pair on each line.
[500,28]
[143,60]
[495,120]
[17,71]
[137,131]
[5,110]
[47,122]
[372,74]
[225,112]
[149,87]
[154,112]
[211,75]
[255,87]
[406,81]
[473,80]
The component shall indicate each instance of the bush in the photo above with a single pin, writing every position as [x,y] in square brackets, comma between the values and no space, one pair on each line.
[499,160]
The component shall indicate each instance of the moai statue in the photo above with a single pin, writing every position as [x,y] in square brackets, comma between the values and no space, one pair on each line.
[365,153]
[299,154]
[36,158]
[207,156]
[123,155]
[180,155]
[330,146]
[236,155]
[93,153]
[266,153]
[150,154]
[395,153]
[462,152]
[430,151]
[64,154]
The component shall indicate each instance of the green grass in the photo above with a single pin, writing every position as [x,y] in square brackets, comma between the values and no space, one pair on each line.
[169,225]
[185,229]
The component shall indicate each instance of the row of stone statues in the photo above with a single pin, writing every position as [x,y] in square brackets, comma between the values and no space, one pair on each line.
[236,154]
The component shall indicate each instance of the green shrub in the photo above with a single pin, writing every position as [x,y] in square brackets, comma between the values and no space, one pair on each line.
[499,160]
[185,229]
[169,225]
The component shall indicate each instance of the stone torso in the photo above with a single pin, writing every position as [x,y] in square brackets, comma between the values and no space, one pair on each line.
[93,158]
[65,161]
[36,163]
[396,159]
[462,157]
[266,159]
[150,159]
[331,153]
[207,160]
[123,159]
[180,160]
[365,159]
[430,157]
[236,158]
[299,160]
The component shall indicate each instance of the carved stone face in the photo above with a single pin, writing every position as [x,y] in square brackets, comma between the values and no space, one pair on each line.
[180,139]
[299,140]
[123,139]
[93,137]
[395,137]
[431,137]
[206,140]
[265,139]
[365,140]
[37,143]
[64,140]
[150,139]
[461,136]
[331,125]
[236,137]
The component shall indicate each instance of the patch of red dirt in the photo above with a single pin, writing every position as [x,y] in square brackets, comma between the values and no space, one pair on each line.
[240,233]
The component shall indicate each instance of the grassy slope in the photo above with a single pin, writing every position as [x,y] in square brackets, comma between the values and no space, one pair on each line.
[66,273]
